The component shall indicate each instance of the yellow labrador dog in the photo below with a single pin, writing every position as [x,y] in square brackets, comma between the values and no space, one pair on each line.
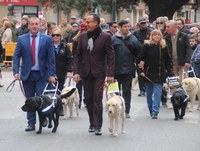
[192,87]
[70,101]
[115,107]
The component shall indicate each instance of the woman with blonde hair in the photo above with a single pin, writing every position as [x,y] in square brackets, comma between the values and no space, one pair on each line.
[63,59]
[154,63]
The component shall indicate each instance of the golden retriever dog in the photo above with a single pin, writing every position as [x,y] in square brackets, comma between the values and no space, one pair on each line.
[192,87]
[115,107]
[70,101]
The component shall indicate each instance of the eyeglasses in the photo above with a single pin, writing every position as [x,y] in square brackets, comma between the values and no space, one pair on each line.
[159,22]
[114,26]
[142,23]
[55,35]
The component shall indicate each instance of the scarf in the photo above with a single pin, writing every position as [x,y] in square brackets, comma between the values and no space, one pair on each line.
[92,37]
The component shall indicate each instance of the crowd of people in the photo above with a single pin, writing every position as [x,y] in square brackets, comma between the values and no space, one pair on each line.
[93,51]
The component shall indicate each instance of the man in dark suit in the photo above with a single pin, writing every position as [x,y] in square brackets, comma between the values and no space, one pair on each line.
[93,62]
[38,64]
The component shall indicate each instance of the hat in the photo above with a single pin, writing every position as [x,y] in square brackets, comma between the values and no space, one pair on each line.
[142,20]
[73,17]
[74,25]
[83,26]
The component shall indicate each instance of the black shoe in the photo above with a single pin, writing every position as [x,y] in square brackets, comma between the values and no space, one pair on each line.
[98,131]
[91,129]
[61,114]
[30,128]
[154,115]
[1,85]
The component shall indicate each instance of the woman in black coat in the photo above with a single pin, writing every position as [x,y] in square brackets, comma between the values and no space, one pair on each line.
[63,59]
[154,63]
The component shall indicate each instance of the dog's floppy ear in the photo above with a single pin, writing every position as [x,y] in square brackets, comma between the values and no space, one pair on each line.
[106,106]
[68,94]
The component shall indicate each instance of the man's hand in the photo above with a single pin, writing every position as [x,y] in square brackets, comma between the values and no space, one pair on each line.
[17,77]
[110,79]
[76,78]
[52,79]
[142,74]
[187,65]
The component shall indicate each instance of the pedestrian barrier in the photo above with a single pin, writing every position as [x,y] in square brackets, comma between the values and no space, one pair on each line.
[9,51]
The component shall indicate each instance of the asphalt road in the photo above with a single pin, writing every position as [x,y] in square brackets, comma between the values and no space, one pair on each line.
[142,132]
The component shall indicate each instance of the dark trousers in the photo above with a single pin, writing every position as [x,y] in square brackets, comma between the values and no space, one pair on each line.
[33,86]
[125,80]
[93,91]
[141,83]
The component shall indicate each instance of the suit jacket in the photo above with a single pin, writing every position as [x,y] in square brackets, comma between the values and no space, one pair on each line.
[46,57]
[100,61]
[184,50]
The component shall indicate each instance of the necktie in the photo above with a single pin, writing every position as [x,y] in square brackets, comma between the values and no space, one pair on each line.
[33,49]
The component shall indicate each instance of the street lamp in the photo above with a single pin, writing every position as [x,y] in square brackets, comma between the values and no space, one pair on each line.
[113,10]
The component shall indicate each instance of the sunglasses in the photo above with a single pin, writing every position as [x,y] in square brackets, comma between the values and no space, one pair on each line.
[114,26]
[142,23]
[55,35]
[159,22]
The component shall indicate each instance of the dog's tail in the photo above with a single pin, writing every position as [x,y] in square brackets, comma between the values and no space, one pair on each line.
[68,94]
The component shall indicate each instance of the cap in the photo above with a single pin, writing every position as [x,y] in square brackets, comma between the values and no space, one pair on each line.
[83,26]
[73,17]
[74,25]
[142,20]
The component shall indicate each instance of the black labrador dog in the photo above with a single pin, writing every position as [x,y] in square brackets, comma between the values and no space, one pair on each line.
[46,107]
[179,101]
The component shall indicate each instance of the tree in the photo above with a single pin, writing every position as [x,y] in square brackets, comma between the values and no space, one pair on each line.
[163,7]
[156,7]
[82,6]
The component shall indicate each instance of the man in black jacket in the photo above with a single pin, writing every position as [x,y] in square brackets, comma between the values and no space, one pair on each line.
[126,47]
[142,34]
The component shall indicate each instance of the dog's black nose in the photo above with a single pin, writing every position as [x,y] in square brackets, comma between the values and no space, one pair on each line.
[23,108]
[110,112]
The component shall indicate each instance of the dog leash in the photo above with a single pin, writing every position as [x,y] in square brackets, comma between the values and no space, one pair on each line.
[11,86]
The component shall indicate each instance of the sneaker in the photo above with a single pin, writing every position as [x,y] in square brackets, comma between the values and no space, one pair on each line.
[128,115]
[142,93]
[91,129]
[154,116]
[98,131]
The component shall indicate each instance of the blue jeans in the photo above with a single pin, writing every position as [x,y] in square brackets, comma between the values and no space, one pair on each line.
[196,67]
[153,96]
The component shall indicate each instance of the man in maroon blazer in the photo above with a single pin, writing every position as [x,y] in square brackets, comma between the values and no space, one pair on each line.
[94,62]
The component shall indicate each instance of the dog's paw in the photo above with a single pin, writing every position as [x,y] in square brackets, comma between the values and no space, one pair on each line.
[115,134]
[123,132]
[50,126]
[54,130]
[39,132]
